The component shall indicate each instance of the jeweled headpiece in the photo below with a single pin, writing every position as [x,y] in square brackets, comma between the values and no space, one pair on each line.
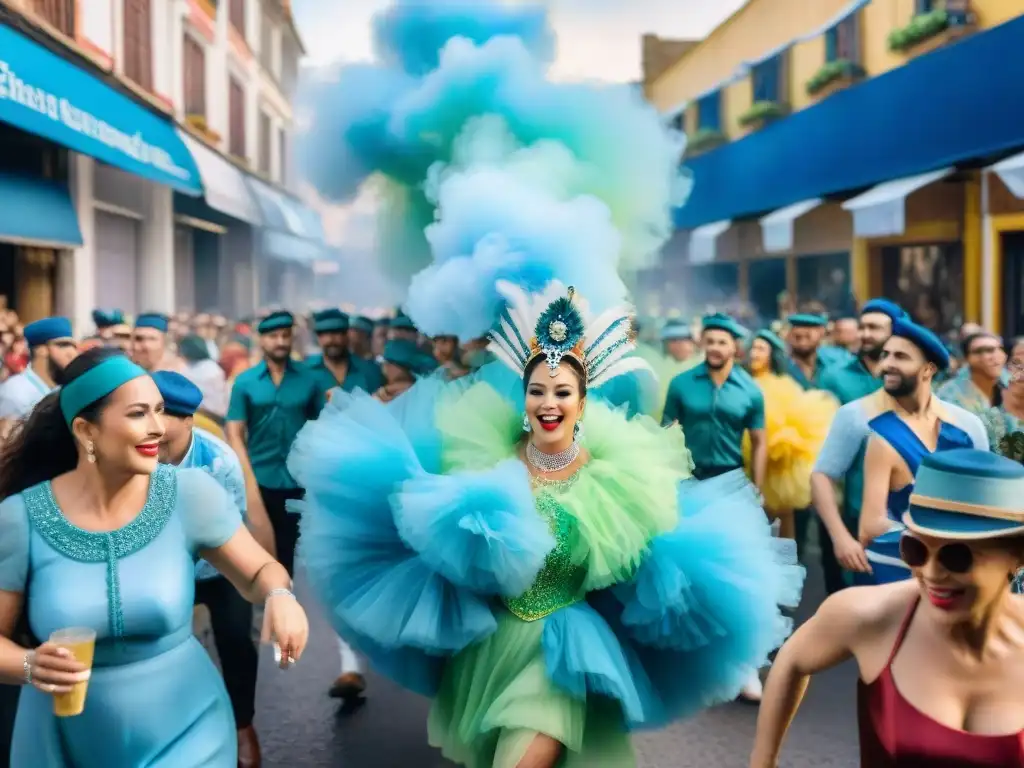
[557,325]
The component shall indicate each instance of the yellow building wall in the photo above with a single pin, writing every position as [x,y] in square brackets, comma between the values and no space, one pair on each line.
[805,59]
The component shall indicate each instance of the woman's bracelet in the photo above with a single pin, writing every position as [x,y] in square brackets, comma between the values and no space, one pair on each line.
[26,666]
[279,592]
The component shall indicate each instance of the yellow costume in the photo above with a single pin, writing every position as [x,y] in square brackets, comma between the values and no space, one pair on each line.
[796,423]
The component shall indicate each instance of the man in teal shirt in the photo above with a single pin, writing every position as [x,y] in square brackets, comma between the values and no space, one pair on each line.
[336,366]
[715,402]
[856,379]
[807,358]
[270,403]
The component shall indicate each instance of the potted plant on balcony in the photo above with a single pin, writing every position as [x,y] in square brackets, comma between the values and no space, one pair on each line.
[198,124]
[928,31]
[704,140]
[834,76]
[761,113]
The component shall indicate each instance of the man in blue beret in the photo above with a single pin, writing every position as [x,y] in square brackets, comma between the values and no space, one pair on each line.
[149,342]
[360,338]
[186,446]
[677,340]
[895,427]
[402,364]
[848,382]
[806,361]
[401,327]
[112,327]
[51,347]
[335,366]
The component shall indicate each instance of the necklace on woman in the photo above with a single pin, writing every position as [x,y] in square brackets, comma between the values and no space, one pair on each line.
[552,462]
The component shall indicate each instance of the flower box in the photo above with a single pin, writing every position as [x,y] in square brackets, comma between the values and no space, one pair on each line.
[833,76]
[928,31]
[198,124]
[761,113]
[704,140]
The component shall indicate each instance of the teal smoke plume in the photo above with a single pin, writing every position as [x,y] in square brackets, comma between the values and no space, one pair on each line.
[487,169]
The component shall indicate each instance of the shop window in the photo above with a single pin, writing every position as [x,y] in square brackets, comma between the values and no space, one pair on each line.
[236,15]
[138,42]
[194,61]
[767,80]
[927,281]
[59,14]
[823,284]
[924,6]
[265,145]
[709,112]
[711,288]
[842,42]
[767,281]
[1013,284]
[236,115]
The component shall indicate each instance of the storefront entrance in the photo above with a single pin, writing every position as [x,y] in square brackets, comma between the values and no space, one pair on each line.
[927,281]
[1013,284]
[767,279]
[8,268]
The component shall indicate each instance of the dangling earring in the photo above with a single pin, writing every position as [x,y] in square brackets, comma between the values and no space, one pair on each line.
[90,452]
[526,423]
[577,430]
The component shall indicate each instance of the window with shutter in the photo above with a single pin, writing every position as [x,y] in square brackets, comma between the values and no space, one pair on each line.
[767,78]
[265,145]
[138,42]
[60,14]
[195,77]
[709,112]
[236,109]
[847,34]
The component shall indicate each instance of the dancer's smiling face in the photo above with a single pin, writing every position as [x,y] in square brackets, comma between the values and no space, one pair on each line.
[554,404]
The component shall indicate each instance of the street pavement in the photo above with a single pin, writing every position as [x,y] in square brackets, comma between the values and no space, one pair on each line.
[300,727]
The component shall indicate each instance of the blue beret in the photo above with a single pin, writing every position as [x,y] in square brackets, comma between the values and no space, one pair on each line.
[152,320]
[402,322]
[330,320]
[360,323]
[807,320]
[890,309]
[46,330]
[275,321]
[406,354]
[720,322]
[675,330]
[181,396]
[107,318]
[967,494]
[772,339]
[930,345]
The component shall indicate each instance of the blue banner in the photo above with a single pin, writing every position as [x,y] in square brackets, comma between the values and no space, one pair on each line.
[43,94]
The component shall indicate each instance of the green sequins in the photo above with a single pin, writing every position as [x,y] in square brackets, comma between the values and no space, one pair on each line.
[84,546]
[559,583]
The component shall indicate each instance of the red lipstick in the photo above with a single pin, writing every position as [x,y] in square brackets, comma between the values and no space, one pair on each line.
[149,451]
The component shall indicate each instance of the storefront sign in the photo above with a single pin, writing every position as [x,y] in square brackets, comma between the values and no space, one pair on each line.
[43,94]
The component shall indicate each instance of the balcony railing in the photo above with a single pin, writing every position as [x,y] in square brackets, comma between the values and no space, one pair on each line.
[60,14]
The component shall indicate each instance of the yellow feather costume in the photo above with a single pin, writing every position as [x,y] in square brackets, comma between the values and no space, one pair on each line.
[796,423]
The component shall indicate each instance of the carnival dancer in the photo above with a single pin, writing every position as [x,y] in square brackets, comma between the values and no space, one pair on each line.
[335,366]
[796,423]
[51,346]
[107,537]
[940,655]
[896,426]
[186,446]
[269,404]
[848,382]
[533,571]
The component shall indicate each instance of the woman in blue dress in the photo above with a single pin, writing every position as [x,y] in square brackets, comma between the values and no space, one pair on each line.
[95,533]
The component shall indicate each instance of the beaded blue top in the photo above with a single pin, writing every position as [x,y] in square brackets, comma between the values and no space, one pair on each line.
[109,546]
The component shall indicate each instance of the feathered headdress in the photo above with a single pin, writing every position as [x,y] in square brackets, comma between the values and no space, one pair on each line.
[557,324]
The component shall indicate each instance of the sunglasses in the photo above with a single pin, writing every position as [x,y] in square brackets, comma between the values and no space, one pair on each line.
[955,558]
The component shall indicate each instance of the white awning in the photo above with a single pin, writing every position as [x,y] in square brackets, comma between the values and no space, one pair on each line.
[777,227]
[1011,171]
[224,185]
[704,241]
[882,210]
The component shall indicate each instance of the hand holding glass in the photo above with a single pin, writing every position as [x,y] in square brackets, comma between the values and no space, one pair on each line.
[80,642]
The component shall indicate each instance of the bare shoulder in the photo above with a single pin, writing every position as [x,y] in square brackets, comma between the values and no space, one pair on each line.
[867,613]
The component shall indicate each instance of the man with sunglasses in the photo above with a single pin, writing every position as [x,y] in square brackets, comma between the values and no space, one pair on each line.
[979,385]
[895,427]
[52,347]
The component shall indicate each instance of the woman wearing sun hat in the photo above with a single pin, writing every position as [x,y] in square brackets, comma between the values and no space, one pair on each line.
[941,655]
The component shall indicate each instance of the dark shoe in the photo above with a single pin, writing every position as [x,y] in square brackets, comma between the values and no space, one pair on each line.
[248,748]
[350,685]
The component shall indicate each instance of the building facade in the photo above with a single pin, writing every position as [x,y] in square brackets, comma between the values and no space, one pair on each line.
[147,141]
[846,148]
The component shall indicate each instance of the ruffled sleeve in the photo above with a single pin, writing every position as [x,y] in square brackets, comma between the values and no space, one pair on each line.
[208,512]
[479,429]
[14,530]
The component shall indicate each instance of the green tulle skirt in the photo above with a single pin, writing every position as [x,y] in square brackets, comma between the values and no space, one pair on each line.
[496,697]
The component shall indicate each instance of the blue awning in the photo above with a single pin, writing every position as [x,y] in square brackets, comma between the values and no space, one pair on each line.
[954,105]
[46,95]
[292,230]
[37,212]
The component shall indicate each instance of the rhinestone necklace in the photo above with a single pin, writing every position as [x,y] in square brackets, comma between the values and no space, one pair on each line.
[552,462]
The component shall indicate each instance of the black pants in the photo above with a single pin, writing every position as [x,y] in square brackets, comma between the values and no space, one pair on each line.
[231,621]
[284,523]
[706,473]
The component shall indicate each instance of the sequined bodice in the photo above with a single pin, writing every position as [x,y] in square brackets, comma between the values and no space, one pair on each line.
[559,583]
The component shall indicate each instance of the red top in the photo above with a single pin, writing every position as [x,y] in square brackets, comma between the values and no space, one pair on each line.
[894,734]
